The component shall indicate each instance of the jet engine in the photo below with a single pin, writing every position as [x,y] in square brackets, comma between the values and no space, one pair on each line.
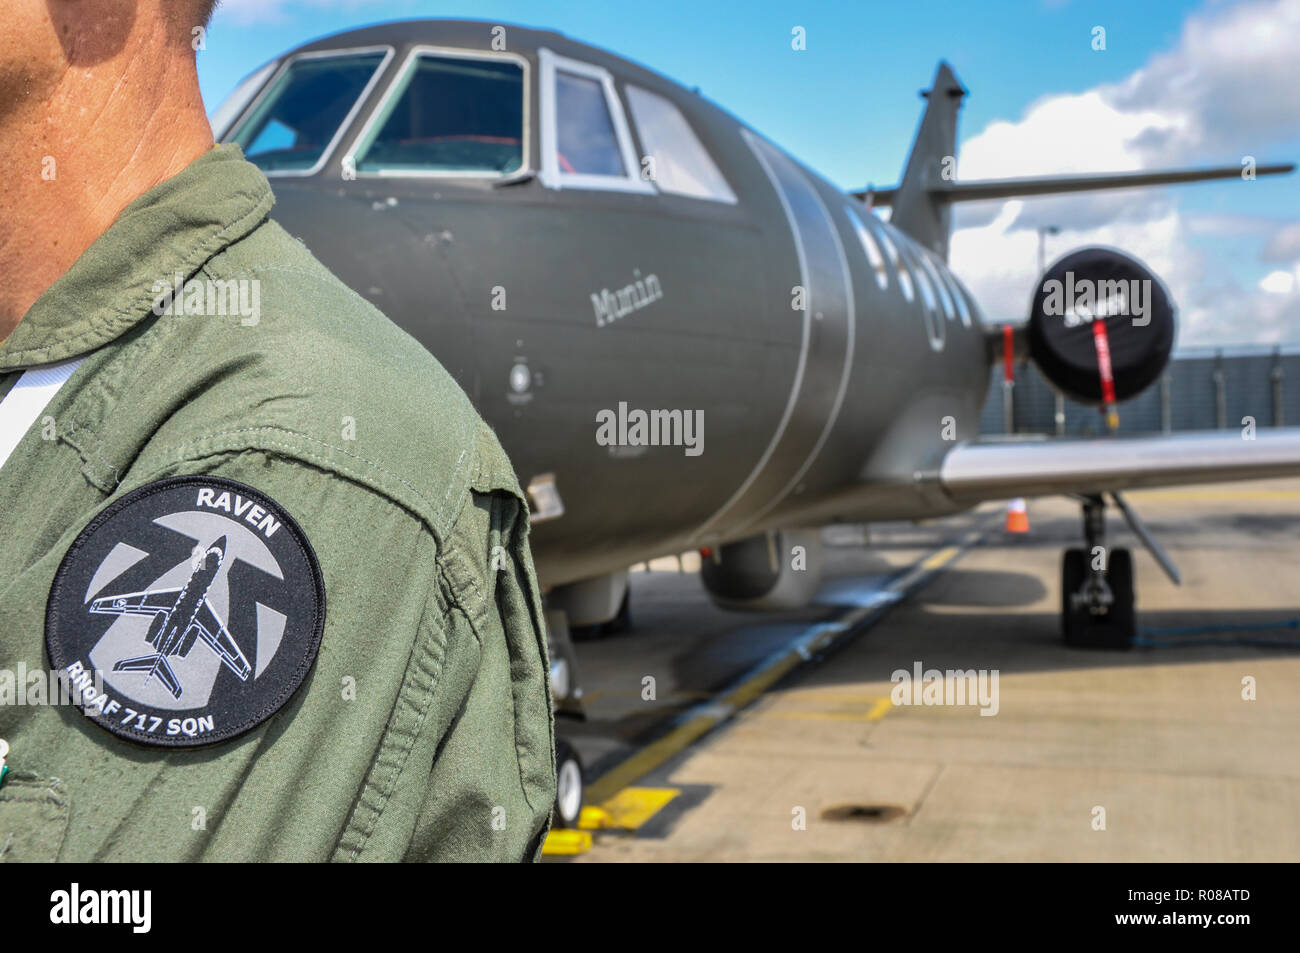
[1101,326]
[776,570]
[154,635]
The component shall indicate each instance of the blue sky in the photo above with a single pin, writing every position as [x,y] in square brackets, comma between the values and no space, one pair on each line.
[848,107]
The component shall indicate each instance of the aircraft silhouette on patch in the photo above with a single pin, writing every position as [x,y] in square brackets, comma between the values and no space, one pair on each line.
[181,616]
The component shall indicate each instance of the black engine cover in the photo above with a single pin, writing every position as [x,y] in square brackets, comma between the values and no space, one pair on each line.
[1100,284]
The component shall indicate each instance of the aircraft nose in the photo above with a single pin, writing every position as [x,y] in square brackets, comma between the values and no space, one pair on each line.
[219,546]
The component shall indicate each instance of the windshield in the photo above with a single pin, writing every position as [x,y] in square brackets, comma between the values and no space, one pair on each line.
[304,112]
[450,114]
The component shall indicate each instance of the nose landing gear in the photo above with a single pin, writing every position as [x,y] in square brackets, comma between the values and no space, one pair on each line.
[1097,596]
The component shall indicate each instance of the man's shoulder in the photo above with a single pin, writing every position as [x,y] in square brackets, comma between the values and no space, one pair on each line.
[313,371]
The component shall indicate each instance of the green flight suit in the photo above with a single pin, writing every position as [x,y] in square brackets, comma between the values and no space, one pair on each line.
[424,730]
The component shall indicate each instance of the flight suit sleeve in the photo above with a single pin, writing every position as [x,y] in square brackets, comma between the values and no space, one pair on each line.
[425,730]
[492,785]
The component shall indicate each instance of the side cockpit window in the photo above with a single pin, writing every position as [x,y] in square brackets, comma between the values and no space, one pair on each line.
[294,126]
[586,143]
[449,113]
[677,161]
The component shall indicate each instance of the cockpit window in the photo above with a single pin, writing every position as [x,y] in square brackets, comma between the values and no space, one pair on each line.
[586,143]
[235,103]
[585,139]
[679,162]
[449,114]
[306,109]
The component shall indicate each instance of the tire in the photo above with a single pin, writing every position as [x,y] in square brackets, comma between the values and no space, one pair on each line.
[568,786]
[1123,612]
[1117,628]
[1074,568]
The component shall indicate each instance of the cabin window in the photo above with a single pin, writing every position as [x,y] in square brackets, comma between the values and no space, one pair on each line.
[900,269]
[305,110]
[958,297]
[869,245]
[586,142]
[448,113]
[935,270]
[923,282]
[678,162]
[935,327]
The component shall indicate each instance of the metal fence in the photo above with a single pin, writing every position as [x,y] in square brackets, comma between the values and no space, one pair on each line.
[1202,389]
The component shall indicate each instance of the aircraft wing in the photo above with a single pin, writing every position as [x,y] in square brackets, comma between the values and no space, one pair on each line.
[150,602]
[999,470]
[213,631]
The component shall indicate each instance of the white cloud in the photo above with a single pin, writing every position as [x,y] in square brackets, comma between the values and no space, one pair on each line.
[1278,282]
[1232,79]
[1230,87]
[1284,245]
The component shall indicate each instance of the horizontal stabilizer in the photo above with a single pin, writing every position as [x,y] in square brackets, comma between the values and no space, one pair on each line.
[153,665]
[983,189]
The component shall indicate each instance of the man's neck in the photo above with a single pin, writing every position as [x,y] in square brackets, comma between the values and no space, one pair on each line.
[70,178]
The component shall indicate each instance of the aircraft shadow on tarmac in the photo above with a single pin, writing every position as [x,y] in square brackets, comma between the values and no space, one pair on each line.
[702,649]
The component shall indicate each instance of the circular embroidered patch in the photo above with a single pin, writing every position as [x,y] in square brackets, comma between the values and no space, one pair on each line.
[188,612]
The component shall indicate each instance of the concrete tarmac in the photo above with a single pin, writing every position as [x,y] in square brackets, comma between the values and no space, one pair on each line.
[1184,749]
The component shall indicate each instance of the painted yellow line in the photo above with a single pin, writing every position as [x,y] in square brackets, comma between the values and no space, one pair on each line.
[941,558]
[632,807]
[650,757]
[820,695]
[879,709]
[621,776]
[747,691]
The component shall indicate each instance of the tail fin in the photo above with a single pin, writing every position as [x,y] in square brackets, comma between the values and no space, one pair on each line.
[916,210]
[922,201]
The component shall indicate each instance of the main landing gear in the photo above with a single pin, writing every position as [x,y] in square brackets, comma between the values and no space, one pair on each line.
[1097,596]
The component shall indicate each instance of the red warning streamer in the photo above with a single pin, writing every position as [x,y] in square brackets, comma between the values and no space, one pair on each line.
[1008,353]
[1102,341]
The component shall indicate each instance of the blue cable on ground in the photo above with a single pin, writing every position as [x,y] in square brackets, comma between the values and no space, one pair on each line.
[1182,630]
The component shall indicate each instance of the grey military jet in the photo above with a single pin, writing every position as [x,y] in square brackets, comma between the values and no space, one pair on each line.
[180,616]
[684,337]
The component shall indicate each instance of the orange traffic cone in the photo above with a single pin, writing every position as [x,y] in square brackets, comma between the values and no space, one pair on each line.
[1017,517]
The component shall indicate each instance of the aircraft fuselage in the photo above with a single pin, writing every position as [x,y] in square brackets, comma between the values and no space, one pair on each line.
[822,379]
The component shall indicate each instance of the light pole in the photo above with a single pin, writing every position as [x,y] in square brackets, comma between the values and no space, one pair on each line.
[1043,232]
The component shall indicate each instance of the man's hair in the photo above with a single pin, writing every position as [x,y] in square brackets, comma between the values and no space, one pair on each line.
[203,10]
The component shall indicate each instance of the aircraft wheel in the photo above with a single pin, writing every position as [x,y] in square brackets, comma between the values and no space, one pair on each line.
[568,785]
[1114,629]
